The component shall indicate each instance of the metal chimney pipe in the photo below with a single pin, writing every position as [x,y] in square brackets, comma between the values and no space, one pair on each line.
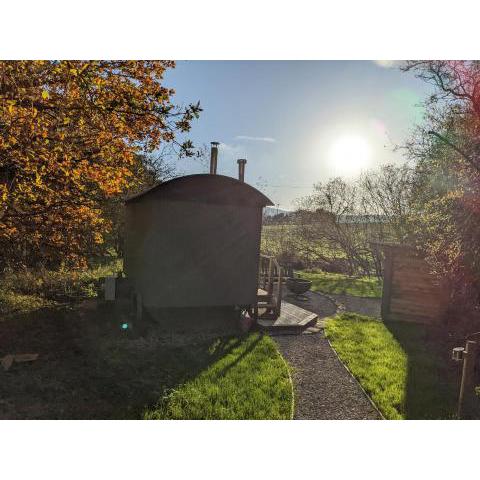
[241,169]
[213,158]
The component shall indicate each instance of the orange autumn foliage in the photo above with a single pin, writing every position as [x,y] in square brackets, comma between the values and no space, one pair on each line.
[70,134]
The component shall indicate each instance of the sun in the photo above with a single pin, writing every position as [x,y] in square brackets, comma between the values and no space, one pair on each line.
[349,155]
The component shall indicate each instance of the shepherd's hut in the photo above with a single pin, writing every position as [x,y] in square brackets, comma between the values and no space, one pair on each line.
[194,241]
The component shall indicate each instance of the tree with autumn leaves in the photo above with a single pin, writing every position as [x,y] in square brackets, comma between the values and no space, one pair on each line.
[72,138]
[445,213]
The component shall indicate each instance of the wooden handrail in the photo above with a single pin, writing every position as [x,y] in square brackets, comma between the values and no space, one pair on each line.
[271,274]
[279,287]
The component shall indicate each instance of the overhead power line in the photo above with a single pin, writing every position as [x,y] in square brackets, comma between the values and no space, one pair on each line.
[288,186]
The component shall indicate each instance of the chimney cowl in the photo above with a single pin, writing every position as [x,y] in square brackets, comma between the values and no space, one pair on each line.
[213,158]
[241,169]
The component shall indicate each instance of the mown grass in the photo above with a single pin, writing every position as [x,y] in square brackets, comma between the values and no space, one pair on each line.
[337,283]
[247,380]
[405,368]
[89,368]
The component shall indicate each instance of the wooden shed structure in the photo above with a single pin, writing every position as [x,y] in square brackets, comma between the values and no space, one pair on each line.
[410,292]
[194,241]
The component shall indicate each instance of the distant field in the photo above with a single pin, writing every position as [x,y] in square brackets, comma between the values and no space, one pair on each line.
[281,241]
[278,238]
[337,283]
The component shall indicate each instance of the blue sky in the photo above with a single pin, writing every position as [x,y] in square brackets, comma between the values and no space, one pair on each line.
[287,117]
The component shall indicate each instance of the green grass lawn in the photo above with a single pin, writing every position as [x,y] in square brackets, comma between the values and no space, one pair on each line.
[337,283]
[247,379]
[89,368]
[405,368]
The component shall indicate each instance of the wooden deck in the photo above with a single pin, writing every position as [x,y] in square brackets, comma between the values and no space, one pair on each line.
[291,317]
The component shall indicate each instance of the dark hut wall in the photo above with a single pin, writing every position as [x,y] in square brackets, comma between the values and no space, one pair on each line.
[410,292]
[188,254]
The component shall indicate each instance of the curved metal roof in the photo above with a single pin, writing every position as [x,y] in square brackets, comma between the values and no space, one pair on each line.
[206,188]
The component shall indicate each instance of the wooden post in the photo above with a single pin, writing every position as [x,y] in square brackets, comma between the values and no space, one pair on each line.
[265,264]
[270,277]
[255,312]
[387,283]
[467,386]
[280,291]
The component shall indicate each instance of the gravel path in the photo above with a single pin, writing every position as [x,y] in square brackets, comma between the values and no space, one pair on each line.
[313,302]
[361,305]
[322,305]
[324,389]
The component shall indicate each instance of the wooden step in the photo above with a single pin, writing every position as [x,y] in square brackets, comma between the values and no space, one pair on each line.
[264,298]
[266,305]
[291,319]
[267,318]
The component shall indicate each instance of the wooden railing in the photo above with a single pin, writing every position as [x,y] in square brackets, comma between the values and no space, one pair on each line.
[271,279]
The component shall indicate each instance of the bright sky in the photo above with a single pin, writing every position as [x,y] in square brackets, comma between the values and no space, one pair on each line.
[298,122]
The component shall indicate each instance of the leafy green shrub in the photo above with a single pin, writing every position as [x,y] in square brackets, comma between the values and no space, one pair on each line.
[58,285]
[14,303]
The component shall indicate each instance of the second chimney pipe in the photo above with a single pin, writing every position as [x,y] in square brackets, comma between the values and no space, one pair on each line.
[241,169]
[213,158]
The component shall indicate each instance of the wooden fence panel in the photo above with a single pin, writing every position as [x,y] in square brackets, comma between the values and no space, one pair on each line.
[410,292]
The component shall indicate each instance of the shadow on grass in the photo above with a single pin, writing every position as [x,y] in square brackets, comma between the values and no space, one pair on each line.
[89,368]
[432,378]
[240,357]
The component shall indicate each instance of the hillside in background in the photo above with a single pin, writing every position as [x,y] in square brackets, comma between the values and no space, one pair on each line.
[272,211]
